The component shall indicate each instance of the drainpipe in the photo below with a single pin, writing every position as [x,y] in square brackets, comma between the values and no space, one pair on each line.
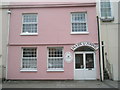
[100,51]
[9,13]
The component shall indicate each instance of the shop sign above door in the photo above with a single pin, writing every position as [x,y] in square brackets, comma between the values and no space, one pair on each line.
[92,45]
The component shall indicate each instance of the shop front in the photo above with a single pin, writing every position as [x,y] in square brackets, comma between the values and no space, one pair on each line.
[85,61]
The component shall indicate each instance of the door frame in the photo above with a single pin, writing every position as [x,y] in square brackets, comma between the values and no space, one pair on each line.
[84,52]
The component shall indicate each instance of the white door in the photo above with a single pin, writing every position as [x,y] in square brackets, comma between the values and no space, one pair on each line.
[84,66]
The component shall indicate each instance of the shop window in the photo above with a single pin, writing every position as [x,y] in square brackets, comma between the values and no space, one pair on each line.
[79,23]
[29,59]
[55,59]
[29,24]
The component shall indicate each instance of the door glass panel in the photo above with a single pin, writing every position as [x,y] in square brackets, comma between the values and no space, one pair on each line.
[79,61]
[89,61]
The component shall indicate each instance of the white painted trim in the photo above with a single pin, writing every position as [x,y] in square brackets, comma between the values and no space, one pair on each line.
[112,12]
[29,23]
[55,57]
[84,60]
[57,70]
[23,70]
[86,16]
[47,56]
[79,32]
[28,34]
[21,58]
[86,79]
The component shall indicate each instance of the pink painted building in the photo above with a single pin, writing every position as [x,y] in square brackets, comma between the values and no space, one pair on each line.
[53,42]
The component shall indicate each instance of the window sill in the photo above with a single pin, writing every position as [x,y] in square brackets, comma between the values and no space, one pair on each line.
[29,34]
[107,19]
[28,70]
[55,70]
[79,33]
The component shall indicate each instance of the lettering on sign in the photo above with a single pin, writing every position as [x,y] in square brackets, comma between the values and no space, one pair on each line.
[74,47]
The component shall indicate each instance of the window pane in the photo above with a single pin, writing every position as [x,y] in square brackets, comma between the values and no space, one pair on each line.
[79,61]
[55,52]
[108,10]
[55,63]
[79,27]
[107,4]
[29,52]
[103,12]
[89,61]
[30,28]
[29,18]
[78,17]
[29,63]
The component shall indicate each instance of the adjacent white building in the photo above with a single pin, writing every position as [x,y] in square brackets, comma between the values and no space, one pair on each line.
[108,25]
[0,44]
[3,39]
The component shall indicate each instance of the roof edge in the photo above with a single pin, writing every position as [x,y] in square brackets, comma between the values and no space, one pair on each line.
[48,5]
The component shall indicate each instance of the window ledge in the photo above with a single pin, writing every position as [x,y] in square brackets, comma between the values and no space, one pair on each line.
[28,70]
[79,32]
[107,19]
[55,70]
[28,34]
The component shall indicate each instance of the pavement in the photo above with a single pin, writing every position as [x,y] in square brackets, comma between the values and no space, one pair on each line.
[60,84]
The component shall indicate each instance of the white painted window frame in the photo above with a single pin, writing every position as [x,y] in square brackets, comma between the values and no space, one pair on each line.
[30,69]
[85,32]
[55,69]
[108,18]
[27,33]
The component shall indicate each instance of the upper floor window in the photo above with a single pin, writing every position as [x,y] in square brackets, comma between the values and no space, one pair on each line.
[106,14]
[55,58]
[79,23]
[105,8]
[29,24]
[29,59]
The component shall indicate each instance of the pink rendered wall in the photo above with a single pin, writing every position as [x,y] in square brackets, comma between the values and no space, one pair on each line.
[42,73]
[54,27]
[14,65]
